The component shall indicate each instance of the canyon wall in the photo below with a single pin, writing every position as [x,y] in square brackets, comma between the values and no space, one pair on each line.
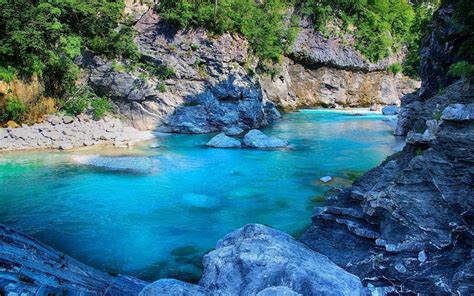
[211,81]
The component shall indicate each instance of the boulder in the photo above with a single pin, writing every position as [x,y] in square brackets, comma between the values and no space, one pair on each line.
[257,139]
[256,257]
[223,141]
[390,110]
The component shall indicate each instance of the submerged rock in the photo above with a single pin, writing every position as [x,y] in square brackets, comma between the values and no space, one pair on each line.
[257,139]
[141,165]
[199,201]
[223,141]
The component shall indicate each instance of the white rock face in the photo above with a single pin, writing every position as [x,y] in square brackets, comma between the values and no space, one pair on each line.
[223,141]
[257,139]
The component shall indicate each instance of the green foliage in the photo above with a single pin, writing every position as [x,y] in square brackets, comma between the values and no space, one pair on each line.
[7,74]
[76,104]
[14,108]
[381,27]
[261,23]
[101,107]
[437,115]
[162,87]
[43,37]
[395,68]
[461,69]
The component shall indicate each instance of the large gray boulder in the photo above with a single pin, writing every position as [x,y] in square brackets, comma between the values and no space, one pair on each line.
[257,139]
[223,141]
[256,257]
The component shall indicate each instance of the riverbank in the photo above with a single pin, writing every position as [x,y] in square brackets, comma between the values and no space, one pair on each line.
[67,132]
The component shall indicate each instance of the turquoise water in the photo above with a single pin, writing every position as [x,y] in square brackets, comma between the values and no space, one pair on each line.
[159,223]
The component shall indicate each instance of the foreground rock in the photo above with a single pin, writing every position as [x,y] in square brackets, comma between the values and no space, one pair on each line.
[67,132]
[258,260]
[223,141]
[31,268]
[257,139]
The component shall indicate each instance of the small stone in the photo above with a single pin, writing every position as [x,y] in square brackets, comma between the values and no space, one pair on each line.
[68,119]
[325,179]
[12,124]
[422,256]
[65,146]
[154,145]
[400,268]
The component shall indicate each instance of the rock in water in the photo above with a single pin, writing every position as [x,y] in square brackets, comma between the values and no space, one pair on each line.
[140,165]
[223,141]
[199,201]
[257,139]
[325,179]
[255,257]
[390,110]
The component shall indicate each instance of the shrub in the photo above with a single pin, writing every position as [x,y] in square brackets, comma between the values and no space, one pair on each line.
[395,68]
[162,87]
[77,104]
[101,107]
[7,74]
[14,108]
[461,69]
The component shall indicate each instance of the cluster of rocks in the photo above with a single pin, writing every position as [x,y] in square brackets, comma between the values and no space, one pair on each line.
[66,132]
[253,139]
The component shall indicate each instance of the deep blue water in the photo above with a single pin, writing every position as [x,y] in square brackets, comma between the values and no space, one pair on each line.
[159,224]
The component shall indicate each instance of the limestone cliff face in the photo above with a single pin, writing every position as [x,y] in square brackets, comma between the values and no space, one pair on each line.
[301,85]
[330,72]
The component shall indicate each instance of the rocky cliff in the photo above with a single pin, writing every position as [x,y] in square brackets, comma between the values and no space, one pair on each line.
[408,224]
[210,81]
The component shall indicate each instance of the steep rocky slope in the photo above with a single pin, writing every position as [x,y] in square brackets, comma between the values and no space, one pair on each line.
[408,223]
[212,84]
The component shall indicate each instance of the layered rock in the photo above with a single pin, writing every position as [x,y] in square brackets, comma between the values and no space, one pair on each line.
[28,267]
[330,72]
[66,132]
[408,224]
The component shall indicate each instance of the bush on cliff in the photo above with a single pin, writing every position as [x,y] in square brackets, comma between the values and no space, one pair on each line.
[262,23]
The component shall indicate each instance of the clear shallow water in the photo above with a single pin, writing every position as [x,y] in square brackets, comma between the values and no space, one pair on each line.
[160,224]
